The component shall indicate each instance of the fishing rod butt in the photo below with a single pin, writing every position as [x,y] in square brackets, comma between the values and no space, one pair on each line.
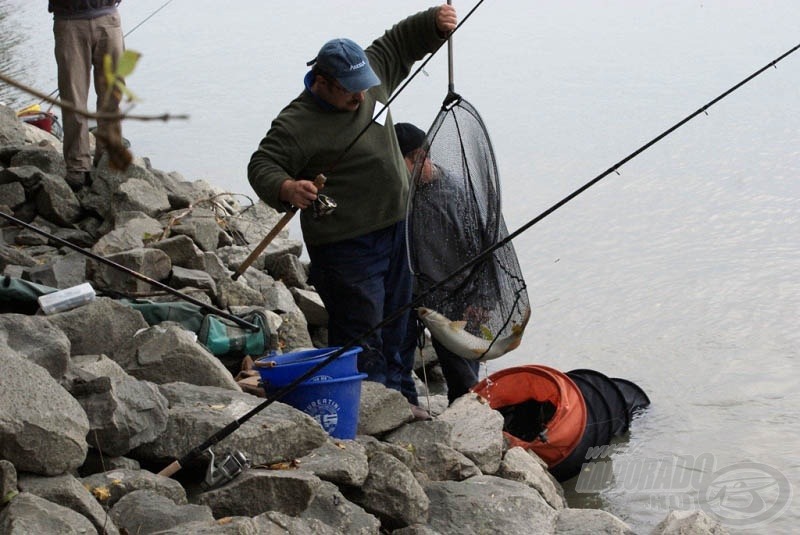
[170,469]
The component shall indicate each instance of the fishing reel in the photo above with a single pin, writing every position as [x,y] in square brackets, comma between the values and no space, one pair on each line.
[226,470]
[322,206]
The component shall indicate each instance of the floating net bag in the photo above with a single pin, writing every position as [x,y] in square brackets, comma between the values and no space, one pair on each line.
[454,218]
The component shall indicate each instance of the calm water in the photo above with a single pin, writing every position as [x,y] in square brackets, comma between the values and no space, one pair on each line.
[680,273]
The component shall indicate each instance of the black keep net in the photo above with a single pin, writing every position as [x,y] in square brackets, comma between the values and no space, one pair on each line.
[454,217]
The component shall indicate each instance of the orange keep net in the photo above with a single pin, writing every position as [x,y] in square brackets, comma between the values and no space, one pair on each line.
[512,386]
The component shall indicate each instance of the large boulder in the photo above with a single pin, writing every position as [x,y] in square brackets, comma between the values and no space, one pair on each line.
[42,428]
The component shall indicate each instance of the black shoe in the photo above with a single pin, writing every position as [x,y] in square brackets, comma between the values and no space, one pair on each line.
[78,179]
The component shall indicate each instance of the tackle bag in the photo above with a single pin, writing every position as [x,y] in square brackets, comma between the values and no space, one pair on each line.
[225,338]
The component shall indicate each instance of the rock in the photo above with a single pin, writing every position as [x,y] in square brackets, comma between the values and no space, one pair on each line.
[343,462]
[67,491]
[277,433]
[123,412]
[109,487]
[392,493]
[477,431]
[488,504]
[151,263]
[36,340]
[28,513]
[331,507]
[431,443]
[524,466]
[312,307]
[382,409]
[258,491]
[145,511]
[42,428]
[101,327]
[579,521]
[689,523]
[165,354]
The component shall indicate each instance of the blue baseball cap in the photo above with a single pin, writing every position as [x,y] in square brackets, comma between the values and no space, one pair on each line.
[346,61]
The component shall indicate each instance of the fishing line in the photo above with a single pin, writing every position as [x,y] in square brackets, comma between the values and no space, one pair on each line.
[271,398]
[150,16]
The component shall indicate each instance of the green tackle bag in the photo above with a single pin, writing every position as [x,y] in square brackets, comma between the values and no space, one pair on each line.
[224,338]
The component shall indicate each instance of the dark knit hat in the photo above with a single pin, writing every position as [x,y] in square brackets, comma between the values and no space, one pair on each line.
[409,137]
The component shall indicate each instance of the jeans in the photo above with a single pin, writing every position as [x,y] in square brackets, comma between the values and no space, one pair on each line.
[362,281]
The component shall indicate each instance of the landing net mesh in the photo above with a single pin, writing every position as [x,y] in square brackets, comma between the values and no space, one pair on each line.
[454,215]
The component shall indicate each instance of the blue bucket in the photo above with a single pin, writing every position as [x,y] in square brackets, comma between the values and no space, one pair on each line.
[280,370]
[333,403]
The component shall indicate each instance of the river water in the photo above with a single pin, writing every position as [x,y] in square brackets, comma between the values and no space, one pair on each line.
[681,272]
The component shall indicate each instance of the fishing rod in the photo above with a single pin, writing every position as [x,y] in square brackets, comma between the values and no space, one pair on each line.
[239,321]
[415,302]
[293,210]
[234,425]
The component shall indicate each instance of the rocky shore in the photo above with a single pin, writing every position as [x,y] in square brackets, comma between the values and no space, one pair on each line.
[95,401]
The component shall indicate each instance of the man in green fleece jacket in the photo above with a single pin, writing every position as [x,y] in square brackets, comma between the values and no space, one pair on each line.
[358,259]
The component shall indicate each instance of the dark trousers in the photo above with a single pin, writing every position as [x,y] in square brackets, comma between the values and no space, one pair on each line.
[362,281]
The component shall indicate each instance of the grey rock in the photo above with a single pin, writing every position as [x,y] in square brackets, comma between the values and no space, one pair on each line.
[310,303]
[144,512]
[524,466]
[392,493]
[195,278]
[12,195]
[579,521]
[42,429]
[141,196]
[151,263]
[431,443]
[36,340]
[28,513]
[331,507]
[63,272]
[342,462]
[277,433]
[8,482]
[67,491]
[382,409]
[488,504]
[12,131]
[182,252]
[689,523]
[167,353]
[293,332]
[257,491]
[56,201]
[43,157]
[103,326]
[110,486]
[131,231]
[289,269]
[123,412]
[201,226]
[477,431]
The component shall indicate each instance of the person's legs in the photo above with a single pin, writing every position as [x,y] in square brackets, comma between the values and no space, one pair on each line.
[349,277]
[459,373]
[106,39]
[73,57]
[400,361]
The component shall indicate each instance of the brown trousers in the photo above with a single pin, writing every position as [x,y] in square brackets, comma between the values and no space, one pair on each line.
[80,46]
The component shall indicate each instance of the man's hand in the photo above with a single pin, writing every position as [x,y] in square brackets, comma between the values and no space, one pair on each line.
[298,193]
[446,19]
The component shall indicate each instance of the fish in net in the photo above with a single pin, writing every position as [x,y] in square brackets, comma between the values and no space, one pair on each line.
[472,299]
